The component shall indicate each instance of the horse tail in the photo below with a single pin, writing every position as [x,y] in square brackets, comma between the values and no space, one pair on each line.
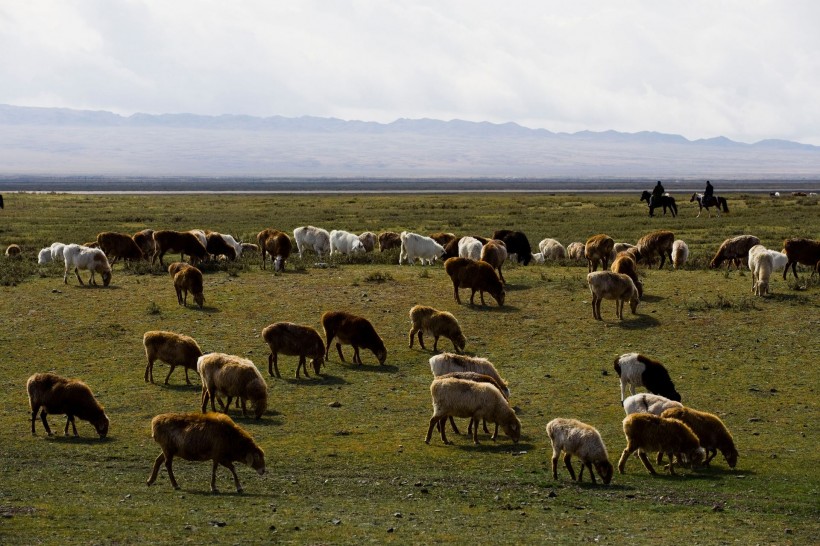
[722,202]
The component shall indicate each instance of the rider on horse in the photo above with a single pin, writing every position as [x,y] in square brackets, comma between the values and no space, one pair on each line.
[657,193]
[709,193]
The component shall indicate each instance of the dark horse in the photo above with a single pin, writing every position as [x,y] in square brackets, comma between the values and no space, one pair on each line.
[666,201]
[714,201]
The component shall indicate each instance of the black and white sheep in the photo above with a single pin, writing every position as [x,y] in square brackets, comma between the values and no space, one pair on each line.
[635,370]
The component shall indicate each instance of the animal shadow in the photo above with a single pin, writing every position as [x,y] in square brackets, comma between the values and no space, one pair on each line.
[386,368]
[317,380]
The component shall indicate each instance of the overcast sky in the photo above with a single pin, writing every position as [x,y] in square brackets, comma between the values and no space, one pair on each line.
[744,69]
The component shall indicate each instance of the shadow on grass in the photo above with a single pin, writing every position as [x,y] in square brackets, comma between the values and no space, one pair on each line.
[315,380]
[193,387]
[502,445]
[88,286]
[386,368]
[516,287]
[224,493]
[490,308]
[82,440]
[651,298]
[638,322]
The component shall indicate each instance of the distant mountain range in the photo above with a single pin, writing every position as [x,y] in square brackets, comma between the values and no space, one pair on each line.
[64,142]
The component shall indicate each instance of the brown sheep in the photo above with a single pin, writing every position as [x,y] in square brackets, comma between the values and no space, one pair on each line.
[13,250]
[175,349]
[495,253]
[479,378]
[145,241]
[232,376]
[277,244]
[183,242]
[60,395]
[188,279]
[119,245]
[597,249]
[801,251]
[735,250]
[209,437]
[624,263]
[612,286]
[656,243]
[477,276]
[437,324]
[217,245]
[369,240]
[388,240]
[710,430]
[646,432]
[294,340]
[352,330]
[443,238]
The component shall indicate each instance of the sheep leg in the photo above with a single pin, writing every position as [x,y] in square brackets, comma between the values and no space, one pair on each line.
[179,296]
[303,364]
[185,297]
[149,371]
[77,272]
[455,292]
[153,477]
[500,275]
[70,419]
[244,408]
[619,309]
[229,466]
[555,455]
[453,424]
[188,381]
[339,348]
[495,433]
[645,460]
[421,340]
[659,459]
[357,359]
[481,295]
[169,465]
[591,473]
[412,335]
[169,374]
[484,423]
[273,365]
[567,459]
[205,396]
[711,455]
[435,344]
[474,421]
[34,417]
[624,456]
[472,296]
[434,420]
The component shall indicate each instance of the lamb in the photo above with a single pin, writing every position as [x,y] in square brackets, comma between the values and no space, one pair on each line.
[91,259]
[495,253]
[13,250]
[197,437]
[680,253]
[232,376]
[801,251]
[220,244]
[311,237]
[551,249]
[649,403]
[762,265]
[734,249]
[119,245]
[60,395]
[278,245]
[145,241]
[187,279]
[582,440]
[517,243]
[388,240]
[352,330]
[612,286]
[369,240]
[462,398]
[44,256]
[466,273]
[625,264]
[575,251]
[646,432]
[710,430]
[656,243]
[449,363]
[344,242]
[598,249]
[437,324]
[637,370]
[443,238]
[469,247]
[294,340]
[183,242]
[175,349]
[415,246]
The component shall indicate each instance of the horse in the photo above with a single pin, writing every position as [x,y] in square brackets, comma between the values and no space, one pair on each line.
[714,201]
[666,201]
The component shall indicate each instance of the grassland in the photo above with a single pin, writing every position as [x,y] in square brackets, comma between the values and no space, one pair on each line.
[360,472]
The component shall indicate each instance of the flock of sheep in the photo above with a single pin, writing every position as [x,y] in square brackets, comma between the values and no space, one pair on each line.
[462,386]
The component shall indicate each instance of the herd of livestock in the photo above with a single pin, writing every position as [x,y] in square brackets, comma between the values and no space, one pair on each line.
[463,386]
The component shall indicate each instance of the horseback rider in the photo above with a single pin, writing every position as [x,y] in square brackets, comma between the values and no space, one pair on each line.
[657,193]
[709,193]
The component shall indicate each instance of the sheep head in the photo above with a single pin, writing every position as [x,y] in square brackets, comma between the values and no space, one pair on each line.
[605,471]
[199,298]
[106,277]
[101,425]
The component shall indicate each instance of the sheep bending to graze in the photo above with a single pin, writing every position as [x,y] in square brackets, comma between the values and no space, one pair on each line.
[437,324]
[617,248]
[13,250]
[311,237]
[369,241]
[646,432]
[388,240]
[480,378]
[538,258]
[278,245]
[449,362]
[624,263]
[232,376]
[649,403]
[735,250]
[187,278]
[44,256]
[656,243]
[469,247]
[415,246]
[575,251]
[249,247]
[198,437]
[551,249]
[349,329]
[461,398]
[637,370]
[145,241]
[495,253]
[710,430]
[60,395]
[612,286]
[221,244]
[477,276]
[801,251]
[119,245]
[344,242]
[762,265]
[91,259]
[443,238]
[582,440]
[175,349]
[598,248]
[517,243]
[57,251]
[184,242]
[680,253]
[294,340]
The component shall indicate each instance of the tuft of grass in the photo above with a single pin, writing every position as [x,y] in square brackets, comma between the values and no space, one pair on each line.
[153,308]
[378,277]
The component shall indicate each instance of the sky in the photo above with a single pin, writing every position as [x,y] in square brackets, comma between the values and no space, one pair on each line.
[746,69]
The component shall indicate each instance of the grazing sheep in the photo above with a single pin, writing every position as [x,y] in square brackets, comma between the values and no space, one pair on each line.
[495,253]
[415,246]
[184,242]
[63,396]
[294,340]
[461,398]
[451,248]
[349,329]
[582,440]
[552,250]
[232,376]
[779,259]
[637,370]
[612,286]
[119,245]
[278,245]
[710,430]
[44,256]
[649,403]
[517,243]
[801,251]
[477,276]
[369,241]
[344,242]
[538,258]
[220,244]
[311,237]
[735,250]
[762,265]
[437,324]
[575,251]
[145,241]
[656,243]
[446,363]
[480,378]
[13,251]
[198,437]
[469,247]
[388,240]
[598,248]
[617,248]
[680,253]
[188,279]
[624,263]
[646,432]
[175,349]
[443,238]
[249,247]
[91,259]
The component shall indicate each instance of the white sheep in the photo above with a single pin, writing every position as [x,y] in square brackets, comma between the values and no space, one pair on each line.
[312,237]
[612,286]
[57,251]
[779,259]
[44,256]
[680,253]
[450,362]
[91,259]
[575,251]
[582,440]
[344,242]
[551,249]
[538,258]
[649,403]
[761,263]
[469,247]
[415,246]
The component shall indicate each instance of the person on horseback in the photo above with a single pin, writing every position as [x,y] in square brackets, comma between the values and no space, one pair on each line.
[709,193]
[657,193]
